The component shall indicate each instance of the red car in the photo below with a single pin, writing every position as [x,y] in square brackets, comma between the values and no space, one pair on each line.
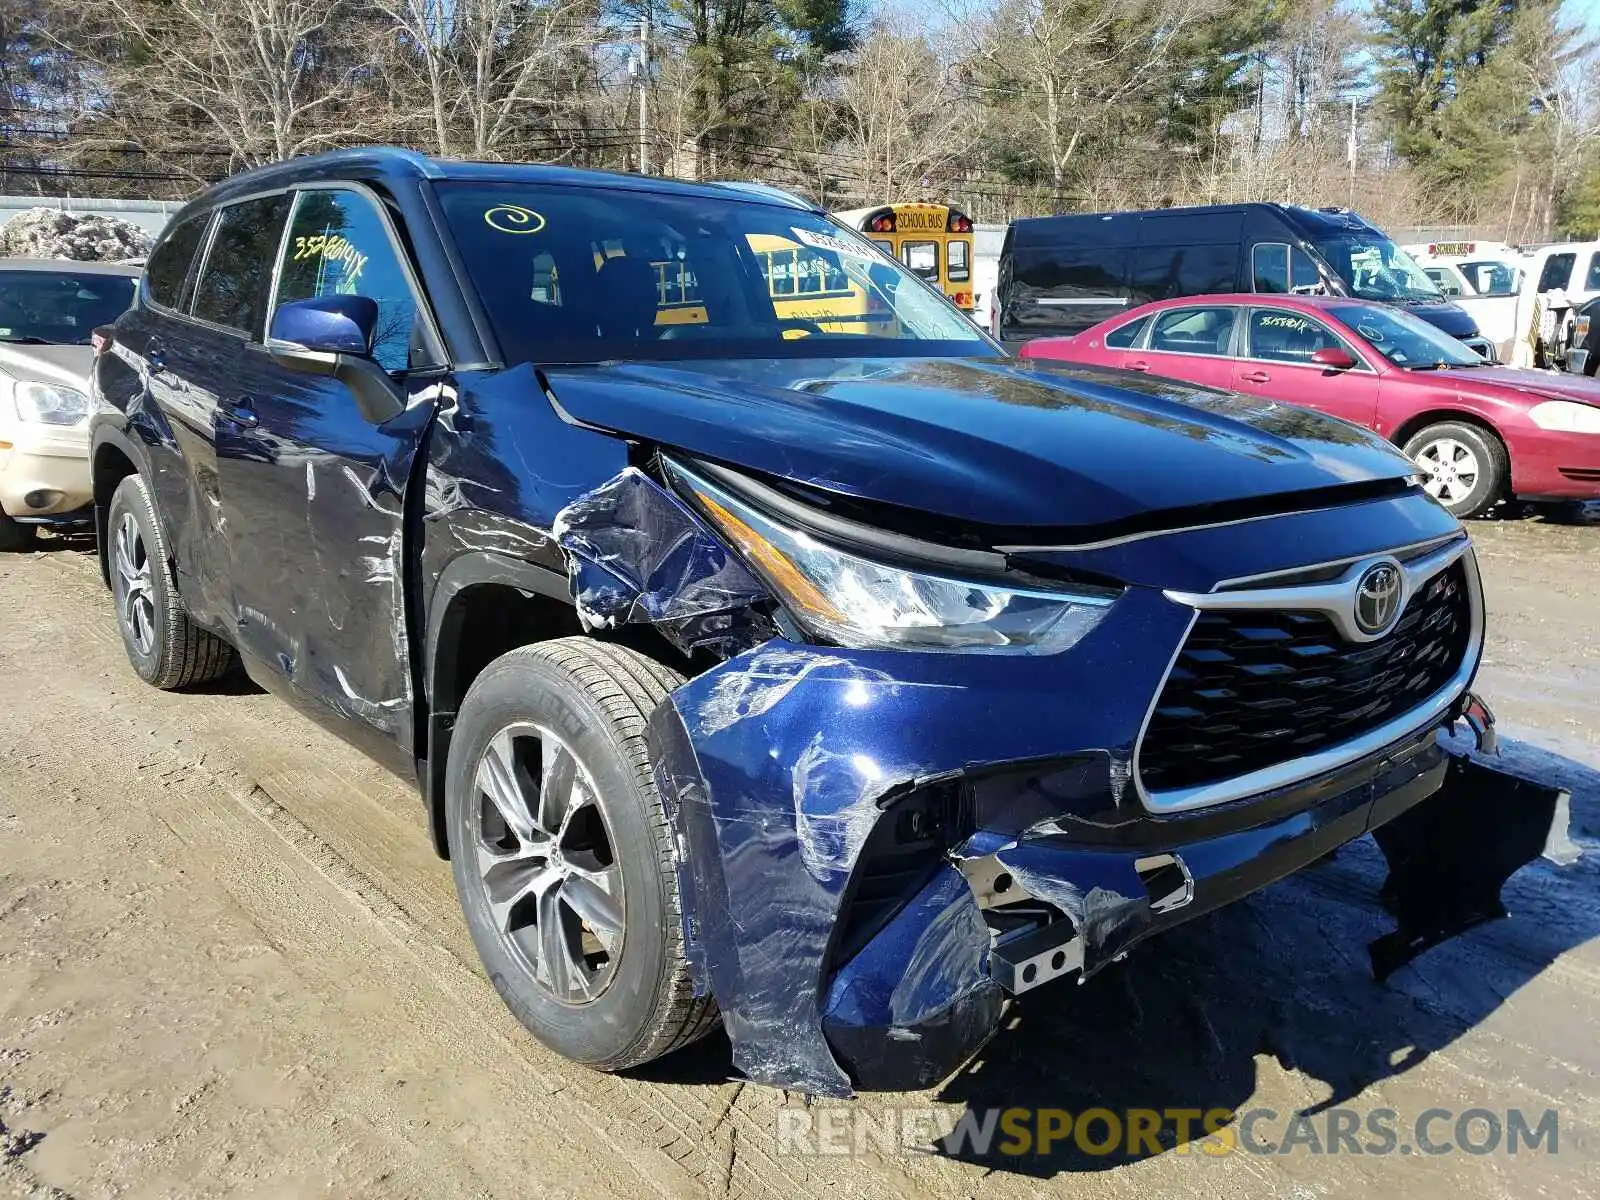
[1481,432]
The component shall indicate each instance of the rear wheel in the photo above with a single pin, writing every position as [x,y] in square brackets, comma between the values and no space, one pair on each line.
[562,852]
[14,536]
[166,648]
[1466,468]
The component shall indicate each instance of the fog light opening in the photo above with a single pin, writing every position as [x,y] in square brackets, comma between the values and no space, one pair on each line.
[41,498]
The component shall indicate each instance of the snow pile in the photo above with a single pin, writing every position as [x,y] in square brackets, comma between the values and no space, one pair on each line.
[52,233]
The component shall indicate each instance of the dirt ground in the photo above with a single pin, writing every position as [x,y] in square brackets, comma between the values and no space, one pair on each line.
[230,964]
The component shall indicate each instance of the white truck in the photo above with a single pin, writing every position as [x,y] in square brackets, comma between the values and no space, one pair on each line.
[1486,279]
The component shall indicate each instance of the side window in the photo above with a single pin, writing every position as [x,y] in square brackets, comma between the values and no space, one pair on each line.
[1167,272]
[168,269]
[1443,280]
[1592,283]
[1292,337]
[232,289]
[1304,278]
[961,265]
[1270,267]
[1193,331]
[1557,271]
[1124,336]
[339,246]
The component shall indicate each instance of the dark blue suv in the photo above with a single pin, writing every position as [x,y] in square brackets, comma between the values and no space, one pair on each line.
[766,645]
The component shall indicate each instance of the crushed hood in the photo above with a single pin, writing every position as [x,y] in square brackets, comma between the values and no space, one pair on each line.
[1001,442]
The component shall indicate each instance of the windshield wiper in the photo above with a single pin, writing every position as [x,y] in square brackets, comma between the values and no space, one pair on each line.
[27,339]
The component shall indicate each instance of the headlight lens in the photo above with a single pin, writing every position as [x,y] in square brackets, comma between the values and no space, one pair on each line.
[853,601]
[49,404]
[1566,416]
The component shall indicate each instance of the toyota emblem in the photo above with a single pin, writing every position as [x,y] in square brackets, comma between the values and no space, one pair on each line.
[1378,597]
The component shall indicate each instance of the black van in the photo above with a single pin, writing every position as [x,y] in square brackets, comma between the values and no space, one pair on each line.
[1059,275]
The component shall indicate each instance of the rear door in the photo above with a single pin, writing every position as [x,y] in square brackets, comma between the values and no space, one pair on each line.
[138,377]
[1190,343]
[1275,362]
[315,490]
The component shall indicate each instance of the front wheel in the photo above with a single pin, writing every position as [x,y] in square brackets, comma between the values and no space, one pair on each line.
[562,852]
[1466,468]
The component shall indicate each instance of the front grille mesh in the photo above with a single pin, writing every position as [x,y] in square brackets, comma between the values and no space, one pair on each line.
[1254,689]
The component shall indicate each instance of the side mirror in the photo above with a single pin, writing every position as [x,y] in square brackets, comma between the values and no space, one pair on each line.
[332,336]
[1335,358]
[328,324]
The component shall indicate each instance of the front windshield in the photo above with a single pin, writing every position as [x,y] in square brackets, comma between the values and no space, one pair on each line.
[1492,278]
[60,307]
[569,274]
[1405,340]
[1374,268]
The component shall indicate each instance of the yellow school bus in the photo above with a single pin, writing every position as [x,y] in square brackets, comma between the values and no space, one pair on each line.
[933,240]
[808,286]
[803,284]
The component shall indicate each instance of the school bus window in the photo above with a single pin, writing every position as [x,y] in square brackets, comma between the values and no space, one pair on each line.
[546,287]
[885,245]
[960,270]
[922,258]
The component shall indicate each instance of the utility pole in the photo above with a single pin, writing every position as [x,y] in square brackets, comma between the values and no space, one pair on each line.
[644,90]
[1350,154]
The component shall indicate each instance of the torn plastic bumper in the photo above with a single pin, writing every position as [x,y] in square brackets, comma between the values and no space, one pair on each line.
[860,921]
[1450,857]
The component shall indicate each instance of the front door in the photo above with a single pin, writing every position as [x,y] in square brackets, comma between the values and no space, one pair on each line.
[315,489]
[1276,363]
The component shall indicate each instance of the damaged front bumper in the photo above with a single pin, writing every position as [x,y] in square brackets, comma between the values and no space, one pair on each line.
[861,912]
[875,846]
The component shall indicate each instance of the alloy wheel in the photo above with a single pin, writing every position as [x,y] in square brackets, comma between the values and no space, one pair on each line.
[133,585]
[547,860]
[1452,468]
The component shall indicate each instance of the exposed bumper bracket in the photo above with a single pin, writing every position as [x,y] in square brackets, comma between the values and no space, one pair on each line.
[1450,856]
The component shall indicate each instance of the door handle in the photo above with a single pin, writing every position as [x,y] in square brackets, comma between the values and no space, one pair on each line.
[1256,377]
[240,413]
[1140,365]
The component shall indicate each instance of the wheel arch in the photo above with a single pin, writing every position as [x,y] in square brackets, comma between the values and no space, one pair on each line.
[1439,416]
[112,459]
[484,605]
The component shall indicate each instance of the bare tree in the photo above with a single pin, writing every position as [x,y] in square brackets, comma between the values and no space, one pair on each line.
[1062,68]
[486,69]
[900,121]
[264,79]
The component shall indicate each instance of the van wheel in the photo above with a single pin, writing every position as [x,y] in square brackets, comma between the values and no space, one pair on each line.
[562,852]
[1466,468]
[14,536]
[166,648]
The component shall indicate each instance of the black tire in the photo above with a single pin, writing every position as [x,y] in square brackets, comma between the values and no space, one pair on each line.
[15,537]
[177,653]
[595,697]
[1487,485]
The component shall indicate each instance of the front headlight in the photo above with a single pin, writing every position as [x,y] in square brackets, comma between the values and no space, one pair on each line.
[1566,416]
[852,601]
[49,404]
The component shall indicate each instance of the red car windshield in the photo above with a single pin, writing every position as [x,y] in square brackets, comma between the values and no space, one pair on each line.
[1405,340]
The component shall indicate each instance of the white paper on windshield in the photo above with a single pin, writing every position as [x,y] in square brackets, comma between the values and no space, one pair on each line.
[826,241]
